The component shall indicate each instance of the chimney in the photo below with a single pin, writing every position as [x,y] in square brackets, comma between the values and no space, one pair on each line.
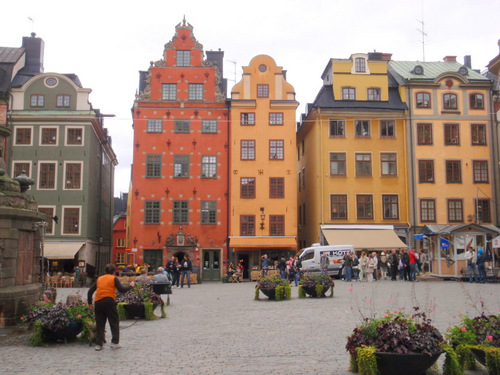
[468,61]
[34,54]
[450,59]
[217,57]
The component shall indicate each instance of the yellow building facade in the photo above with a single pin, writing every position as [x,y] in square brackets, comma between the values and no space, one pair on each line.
[263,181]
[352,160]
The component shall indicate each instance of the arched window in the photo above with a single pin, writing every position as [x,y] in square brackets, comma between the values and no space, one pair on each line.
[449,101]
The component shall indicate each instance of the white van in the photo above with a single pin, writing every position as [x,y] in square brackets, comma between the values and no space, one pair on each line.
[311,256]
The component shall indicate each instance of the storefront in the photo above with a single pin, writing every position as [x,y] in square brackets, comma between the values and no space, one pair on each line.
[446,246]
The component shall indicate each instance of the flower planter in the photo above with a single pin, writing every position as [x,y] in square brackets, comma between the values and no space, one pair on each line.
[269,293]
[405,364]
[63,334]
[135,311]
[479,355]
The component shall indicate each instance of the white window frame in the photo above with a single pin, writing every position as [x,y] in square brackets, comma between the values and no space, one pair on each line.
[79,221]
[40,131]
[81,174]
[66,128]
[15,136]
[51,233]
[39,163]
[14,162]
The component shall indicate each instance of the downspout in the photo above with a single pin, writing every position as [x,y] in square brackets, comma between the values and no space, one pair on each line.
[411,174]
[494,154]
[228,191]
[321,179]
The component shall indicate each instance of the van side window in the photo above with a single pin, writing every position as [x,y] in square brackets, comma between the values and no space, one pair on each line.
[308,255]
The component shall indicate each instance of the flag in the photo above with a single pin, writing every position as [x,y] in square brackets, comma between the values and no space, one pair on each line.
[445,244]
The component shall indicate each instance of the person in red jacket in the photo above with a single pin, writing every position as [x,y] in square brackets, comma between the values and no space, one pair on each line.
[413,265]
[105,305]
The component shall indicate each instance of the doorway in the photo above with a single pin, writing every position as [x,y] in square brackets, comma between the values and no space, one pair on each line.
[211,265]
[243,259]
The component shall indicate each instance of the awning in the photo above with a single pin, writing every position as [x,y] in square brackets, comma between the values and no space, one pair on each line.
[374,239]
[263,242]
[61,250]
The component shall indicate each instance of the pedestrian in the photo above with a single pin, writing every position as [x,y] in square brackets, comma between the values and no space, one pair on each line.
[297,266]
[348,259]
[290,270]
[173,270]
[393,263]
[371,267]
[471,258]
[383,265]
[264,264]
[186,267]
[413,265]
[143,277]
[363,262]
[376,267]
[160,276]
[105,306]
[76,276]
[355,266]
[481,268]
[405,258]
[282,267]
[323,263]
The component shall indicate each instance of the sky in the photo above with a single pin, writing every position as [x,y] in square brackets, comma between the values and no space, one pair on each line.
[107,42]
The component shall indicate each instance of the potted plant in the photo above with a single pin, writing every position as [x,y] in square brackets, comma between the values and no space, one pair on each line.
[397,343]
[224,278]
[315,286]
[139,302]
[55,322]
[478,339]
[274,288]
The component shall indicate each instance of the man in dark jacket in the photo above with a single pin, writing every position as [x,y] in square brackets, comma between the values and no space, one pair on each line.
[186,267]
[394,262]
[406,264]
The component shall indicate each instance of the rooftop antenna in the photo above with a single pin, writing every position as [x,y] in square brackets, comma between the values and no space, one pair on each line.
[32,24]
[422,32]
[234,62]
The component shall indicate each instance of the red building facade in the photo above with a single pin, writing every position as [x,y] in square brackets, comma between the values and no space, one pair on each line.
[120,253]
[179,193]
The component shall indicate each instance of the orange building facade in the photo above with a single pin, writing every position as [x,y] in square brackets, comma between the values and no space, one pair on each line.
[263,182]
[179,192]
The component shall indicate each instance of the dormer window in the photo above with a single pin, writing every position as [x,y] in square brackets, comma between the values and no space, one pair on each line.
[418,70]
[373,93]
[348,93]
[360,65]
[463,70]
[63,101]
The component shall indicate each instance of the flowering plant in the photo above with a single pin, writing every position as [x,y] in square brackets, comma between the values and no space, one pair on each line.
[79,311]
[315,285]
[480,330]
[140,293]
[274,288]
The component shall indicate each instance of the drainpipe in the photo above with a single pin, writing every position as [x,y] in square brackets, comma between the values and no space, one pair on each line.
[494,155]
[321,178]
[411,174]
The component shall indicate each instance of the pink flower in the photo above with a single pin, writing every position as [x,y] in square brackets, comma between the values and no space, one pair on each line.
[489,338]
[79,316]
[350,289]
[463,329]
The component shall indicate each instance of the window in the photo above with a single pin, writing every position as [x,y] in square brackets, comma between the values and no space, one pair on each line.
[276,149]
[276,187]
[23,136]
[276,225]
[73,176]
[337,128]
[425,171]
[363,165]
[453,172]
[49,212]
[183,58]
[428,210]
[47,179]
[74,136]
[451,134]
[348,93]
[181,166]
[388,165]
[360,65]
[262,91]
[478,134]
[337,164]
[476,101]
[209,126]
[304,177]
[455,211]
[247,187]
[483,210]
[247,225]
[62,100]
[209,212]
[20,167]
[373,93]
[365,206]
[182,126]
[155,125]
[49,136]
[120,242]
[37,101]
[169,91]
[424,134]
[362,128]
[181,212]
[423,100]
[209,166]
[153,165]
[450,101]
[152,212]
[247,150]
[480,171]
[121,257]
[275,118]
[195,91]
[338,204]
[71,221]
[390,207]
[248,118]
[387,129]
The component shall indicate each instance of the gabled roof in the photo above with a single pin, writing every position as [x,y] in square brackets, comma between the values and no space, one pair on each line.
[21,78]
[8,59]
[431,70]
